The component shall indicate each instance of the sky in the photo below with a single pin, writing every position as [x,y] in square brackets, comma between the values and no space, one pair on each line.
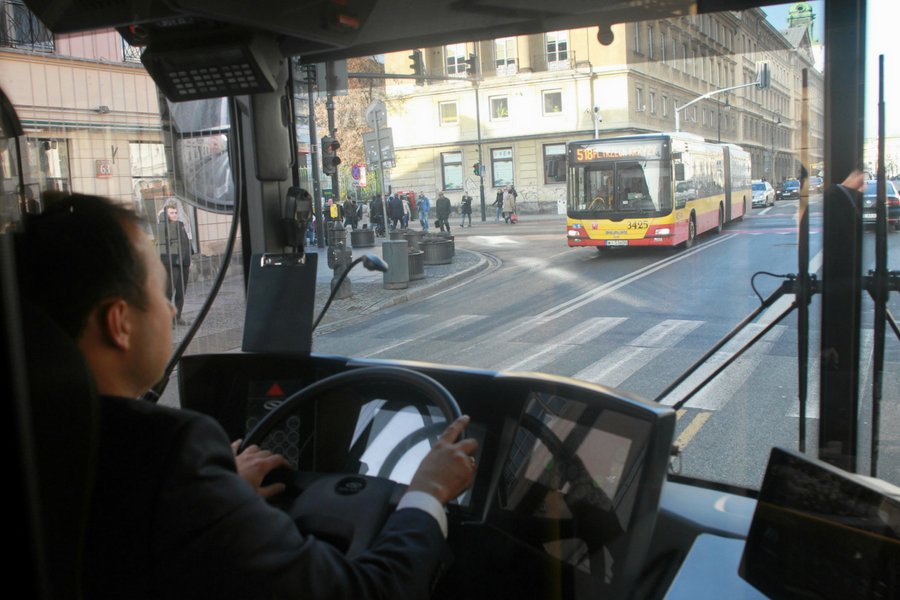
[883,17]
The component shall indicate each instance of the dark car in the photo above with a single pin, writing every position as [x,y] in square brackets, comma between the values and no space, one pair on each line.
[892,201]
[790,188]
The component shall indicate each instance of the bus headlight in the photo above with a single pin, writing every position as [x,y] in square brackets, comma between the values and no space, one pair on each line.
[663,231]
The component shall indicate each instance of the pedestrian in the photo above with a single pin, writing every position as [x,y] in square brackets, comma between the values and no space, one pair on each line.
[499,204]
[395,211]
[175,253]
[376,214]
[465,209]
[442,207]
[362,215]
[509,206]
[424,207]
[407,210]
[349,210]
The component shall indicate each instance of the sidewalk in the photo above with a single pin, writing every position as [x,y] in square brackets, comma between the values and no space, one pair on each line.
[222,328]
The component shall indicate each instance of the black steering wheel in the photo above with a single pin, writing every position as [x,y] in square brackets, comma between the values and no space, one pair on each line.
[349,510]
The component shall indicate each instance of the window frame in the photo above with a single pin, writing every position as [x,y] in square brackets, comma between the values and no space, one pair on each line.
[544,94]
[495,161]
[561,176]
[441,120]
[493,114]
[446,165]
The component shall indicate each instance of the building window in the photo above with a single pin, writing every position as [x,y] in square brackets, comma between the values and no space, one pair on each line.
[663,43]
[557,49]
[455,60]
[451,170]
[638,99]
[703,117]
[448,112]
[684,57]
[637,38]
[50,158]
[502,166]
[499,108]
[665,106]
[22,29]
[649,41]
[505,56]
[552,102]
[652,97]
[554,163]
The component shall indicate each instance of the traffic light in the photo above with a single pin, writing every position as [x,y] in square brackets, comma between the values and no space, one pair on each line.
[476,168]
[417,65]
[471,64]
[330,159]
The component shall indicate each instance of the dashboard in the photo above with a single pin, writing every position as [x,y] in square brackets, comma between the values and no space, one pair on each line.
[569,474]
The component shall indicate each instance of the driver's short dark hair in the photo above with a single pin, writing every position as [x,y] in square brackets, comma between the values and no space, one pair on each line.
[77,254]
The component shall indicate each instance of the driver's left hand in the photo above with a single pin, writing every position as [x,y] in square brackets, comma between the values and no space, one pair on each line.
[253,464]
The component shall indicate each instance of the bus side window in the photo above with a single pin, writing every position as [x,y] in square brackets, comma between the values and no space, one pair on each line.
[679,171]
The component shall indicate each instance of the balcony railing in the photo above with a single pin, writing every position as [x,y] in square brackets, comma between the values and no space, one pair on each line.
[131,53]
[19,28]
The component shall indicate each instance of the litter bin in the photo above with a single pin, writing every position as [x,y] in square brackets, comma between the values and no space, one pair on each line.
[362,238]
[437,251]
[414,238]
[416,265]
[395,254]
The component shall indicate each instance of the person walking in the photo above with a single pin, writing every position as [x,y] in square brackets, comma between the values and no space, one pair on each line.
[509,206]
[499,204]
[465,210]
[395,211]
[442,206]
[407,210]
[175,253]
[424,207]
[349,213]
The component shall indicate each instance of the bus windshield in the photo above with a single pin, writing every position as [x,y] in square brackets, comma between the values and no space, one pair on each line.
[620,187]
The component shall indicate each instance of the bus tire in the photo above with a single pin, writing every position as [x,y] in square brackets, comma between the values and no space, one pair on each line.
[692,232]
[721,224]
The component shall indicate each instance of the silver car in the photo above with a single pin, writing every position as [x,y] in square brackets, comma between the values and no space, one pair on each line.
[763,194]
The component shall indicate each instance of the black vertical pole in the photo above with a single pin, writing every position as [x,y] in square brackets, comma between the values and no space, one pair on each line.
[845,22]
[314,156]
[803,292]
[880,280]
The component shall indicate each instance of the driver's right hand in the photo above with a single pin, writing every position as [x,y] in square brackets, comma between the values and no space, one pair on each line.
[449,468]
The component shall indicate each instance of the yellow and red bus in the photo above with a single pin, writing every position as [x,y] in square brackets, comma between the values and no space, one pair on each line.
[653,190]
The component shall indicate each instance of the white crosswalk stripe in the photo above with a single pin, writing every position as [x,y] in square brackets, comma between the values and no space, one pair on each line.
[529,360]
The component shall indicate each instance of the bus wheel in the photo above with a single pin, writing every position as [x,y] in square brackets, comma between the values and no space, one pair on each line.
[721,224]
[692,232]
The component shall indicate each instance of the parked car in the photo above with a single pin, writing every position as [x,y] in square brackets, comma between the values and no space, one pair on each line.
[763,194]
[789,188]
[815,184]
[892,201]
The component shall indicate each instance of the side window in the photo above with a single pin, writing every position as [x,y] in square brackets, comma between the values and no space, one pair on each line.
[552,102]
[448,113]
[554,163]
[502,166]
[451,170]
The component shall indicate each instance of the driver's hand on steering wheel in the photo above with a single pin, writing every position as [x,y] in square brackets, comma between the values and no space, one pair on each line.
[449,468]
[253,464]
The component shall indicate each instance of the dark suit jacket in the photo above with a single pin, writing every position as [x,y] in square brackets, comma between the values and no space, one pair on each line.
[170,518]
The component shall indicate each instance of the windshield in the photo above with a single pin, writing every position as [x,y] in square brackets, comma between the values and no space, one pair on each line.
[620,187]
[486,124]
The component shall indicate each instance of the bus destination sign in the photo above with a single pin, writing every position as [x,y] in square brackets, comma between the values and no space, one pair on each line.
[610,151]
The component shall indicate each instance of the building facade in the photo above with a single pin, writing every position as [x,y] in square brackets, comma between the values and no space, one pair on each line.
[529,95]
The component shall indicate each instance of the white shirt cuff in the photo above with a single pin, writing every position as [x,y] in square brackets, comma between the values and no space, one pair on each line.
[428,503]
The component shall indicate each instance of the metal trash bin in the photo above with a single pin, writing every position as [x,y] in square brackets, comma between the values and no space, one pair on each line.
[395,254]
[437,252]
[362,238]
[416,265]
[414,238]
[398,234]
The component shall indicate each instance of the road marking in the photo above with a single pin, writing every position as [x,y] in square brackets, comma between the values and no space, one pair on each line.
[611,286]
[623,362]
[692,429]
[563,343]
[425,333]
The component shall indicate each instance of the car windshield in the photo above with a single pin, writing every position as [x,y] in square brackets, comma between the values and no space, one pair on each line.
[661,257]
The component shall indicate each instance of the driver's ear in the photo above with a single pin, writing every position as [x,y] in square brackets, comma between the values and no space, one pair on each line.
[115,323]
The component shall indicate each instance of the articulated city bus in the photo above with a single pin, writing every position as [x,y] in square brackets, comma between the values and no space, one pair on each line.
[653,190]
[688,425]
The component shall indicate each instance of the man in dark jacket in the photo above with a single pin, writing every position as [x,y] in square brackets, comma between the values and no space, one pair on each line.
[442,209]
[170,516]
[175,252]
[395,210]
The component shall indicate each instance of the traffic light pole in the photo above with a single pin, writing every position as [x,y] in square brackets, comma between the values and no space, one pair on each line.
[480,161]
[317,187]
[335,183]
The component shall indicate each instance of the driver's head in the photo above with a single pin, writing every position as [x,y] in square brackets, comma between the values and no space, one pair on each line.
[88,265]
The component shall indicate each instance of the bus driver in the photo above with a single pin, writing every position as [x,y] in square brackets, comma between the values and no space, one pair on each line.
[170,517]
